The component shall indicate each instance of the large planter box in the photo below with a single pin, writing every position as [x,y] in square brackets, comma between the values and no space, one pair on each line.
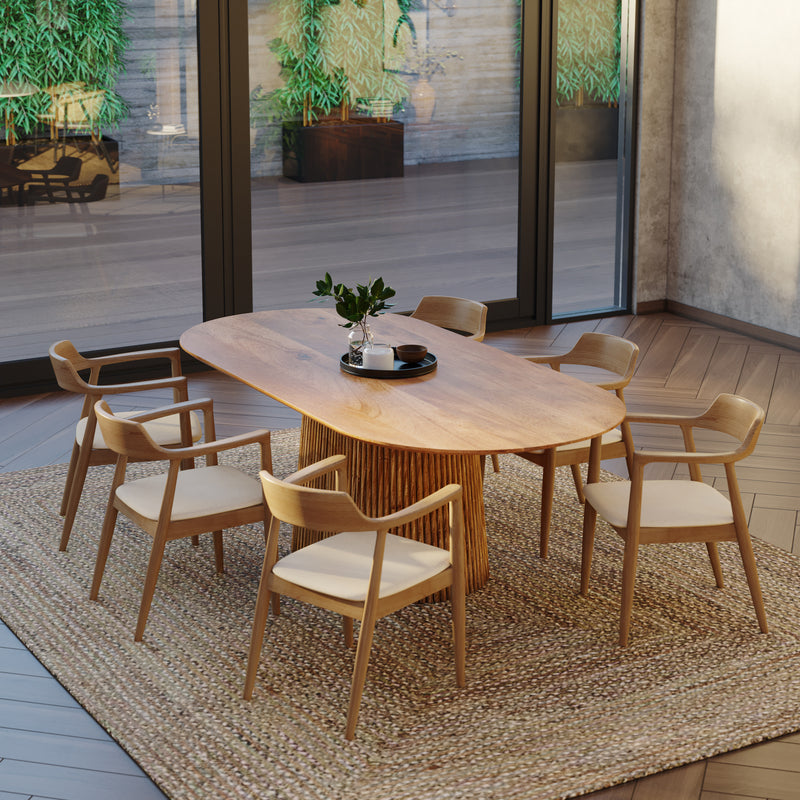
[343,151]
[588,133]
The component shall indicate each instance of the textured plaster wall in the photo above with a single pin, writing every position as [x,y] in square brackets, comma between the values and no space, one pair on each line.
[656,76]
[734,212]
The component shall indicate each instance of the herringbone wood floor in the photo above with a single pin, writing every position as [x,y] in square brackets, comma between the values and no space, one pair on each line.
[682,366]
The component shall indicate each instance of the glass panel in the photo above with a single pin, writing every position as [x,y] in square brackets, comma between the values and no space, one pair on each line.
[99,215]
[586,259]
[407,166]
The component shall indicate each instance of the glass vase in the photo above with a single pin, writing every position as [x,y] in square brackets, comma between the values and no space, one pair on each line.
[356,341]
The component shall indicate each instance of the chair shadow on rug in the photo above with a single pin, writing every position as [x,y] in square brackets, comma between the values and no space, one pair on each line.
[363,571]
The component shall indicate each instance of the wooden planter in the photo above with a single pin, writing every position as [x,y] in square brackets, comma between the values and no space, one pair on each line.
[342,151]
[588,133]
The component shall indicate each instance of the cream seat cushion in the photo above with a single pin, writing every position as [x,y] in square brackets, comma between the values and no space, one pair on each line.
[665,504]
[164,431]
[199,492]
[340,565]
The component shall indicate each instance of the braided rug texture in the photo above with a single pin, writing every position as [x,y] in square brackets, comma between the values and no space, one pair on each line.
[552,707]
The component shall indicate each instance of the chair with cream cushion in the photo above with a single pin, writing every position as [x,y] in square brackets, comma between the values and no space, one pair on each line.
[616,358]
[89,448]
[180,502]
[363,571]
[656,511]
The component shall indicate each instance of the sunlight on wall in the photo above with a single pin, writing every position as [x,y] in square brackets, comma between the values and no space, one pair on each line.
[756,134]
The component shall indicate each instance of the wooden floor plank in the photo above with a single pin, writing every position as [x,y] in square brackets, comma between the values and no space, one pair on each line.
[751,781]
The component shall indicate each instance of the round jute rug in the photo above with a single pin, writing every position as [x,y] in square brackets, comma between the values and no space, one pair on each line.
[552,707]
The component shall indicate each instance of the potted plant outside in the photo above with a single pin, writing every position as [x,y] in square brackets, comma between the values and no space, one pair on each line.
[425,61]
[587,79]
[76,44]
[331,54]
[357,306]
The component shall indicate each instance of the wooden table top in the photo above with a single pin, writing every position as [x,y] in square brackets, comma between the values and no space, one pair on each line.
[479,400]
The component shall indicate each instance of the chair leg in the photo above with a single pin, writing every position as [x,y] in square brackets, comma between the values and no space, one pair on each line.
[257,633]
[219,560]
[548,487]
[79,478]
[347,627]
[628,580]
[153,568]
[73,463]
[713,555]
[578,480]
[753,583]
[587,548]
[458,610]
[365,634]
[102,550]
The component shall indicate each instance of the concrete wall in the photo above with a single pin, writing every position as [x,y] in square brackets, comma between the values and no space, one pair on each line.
[723,232]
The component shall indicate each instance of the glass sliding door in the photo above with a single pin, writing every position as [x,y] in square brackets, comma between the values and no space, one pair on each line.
[100,206]
[589,218]
[396,155]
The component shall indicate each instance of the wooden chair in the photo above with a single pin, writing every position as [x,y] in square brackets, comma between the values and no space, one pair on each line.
[657,511]
[70,192]
[467,317]
[362,572]
[181,502]
[89,448]
[600,351]
[43,182]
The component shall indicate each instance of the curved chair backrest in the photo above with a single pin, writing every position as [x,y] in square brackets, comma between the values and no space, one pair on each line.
[66,361]
[319,509]
[735,416]
[127,437]
[604,351]
[454,313]
[69,166]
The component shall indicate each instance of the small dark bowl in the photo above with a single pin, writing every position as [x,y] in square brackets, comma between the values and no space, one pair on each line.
[411,353]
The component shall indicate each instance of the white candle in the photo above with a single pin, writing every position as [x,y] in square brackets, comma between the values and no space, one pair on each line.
[379,356]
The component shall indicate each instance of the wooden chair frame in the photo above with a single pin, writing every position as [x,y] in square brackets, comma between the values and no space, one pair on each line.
[730,414]
[601,351]
[333,511]
[129,439]
[458,314]
[67,364]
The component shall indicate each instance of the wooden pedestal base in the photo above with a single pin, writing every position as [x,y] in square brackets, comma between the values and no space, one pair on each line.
[383,480]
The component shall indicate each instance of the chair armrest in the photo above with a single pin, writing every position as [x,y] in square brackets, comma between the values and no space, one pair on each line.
[659,419]
[422,507]
[171,353]
[318,469]
[260,436]
[553,361]
[206,404]
[642,457]
[176,382]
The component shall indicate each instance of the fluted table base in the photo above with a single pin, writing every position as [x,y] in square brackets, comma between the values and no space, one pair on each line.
[383,480]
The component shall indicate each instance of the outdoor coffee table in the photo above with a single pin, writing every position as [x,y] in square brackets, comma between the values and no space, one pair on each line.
[405,438]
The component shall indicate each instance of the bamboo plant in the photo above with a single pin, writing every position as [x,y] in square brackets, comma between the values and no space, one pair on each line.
[331,57]
[46,43]
[588,52]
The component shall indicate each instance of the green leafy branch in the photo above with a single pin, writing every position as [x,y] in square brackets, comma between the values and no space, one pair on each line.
[356,305]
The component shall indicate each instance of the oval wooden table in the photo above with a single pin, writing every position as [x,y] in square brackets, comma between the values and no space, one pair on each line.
[405,438]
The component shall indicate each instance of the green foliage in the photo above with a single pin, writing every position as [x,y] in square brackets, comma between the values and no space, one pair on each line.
[356,306]
[331,53]
[588,51]
[50,42]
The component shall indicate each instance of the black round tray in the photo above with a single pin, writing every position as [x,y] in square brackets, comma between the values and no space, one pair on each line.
[399,370]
